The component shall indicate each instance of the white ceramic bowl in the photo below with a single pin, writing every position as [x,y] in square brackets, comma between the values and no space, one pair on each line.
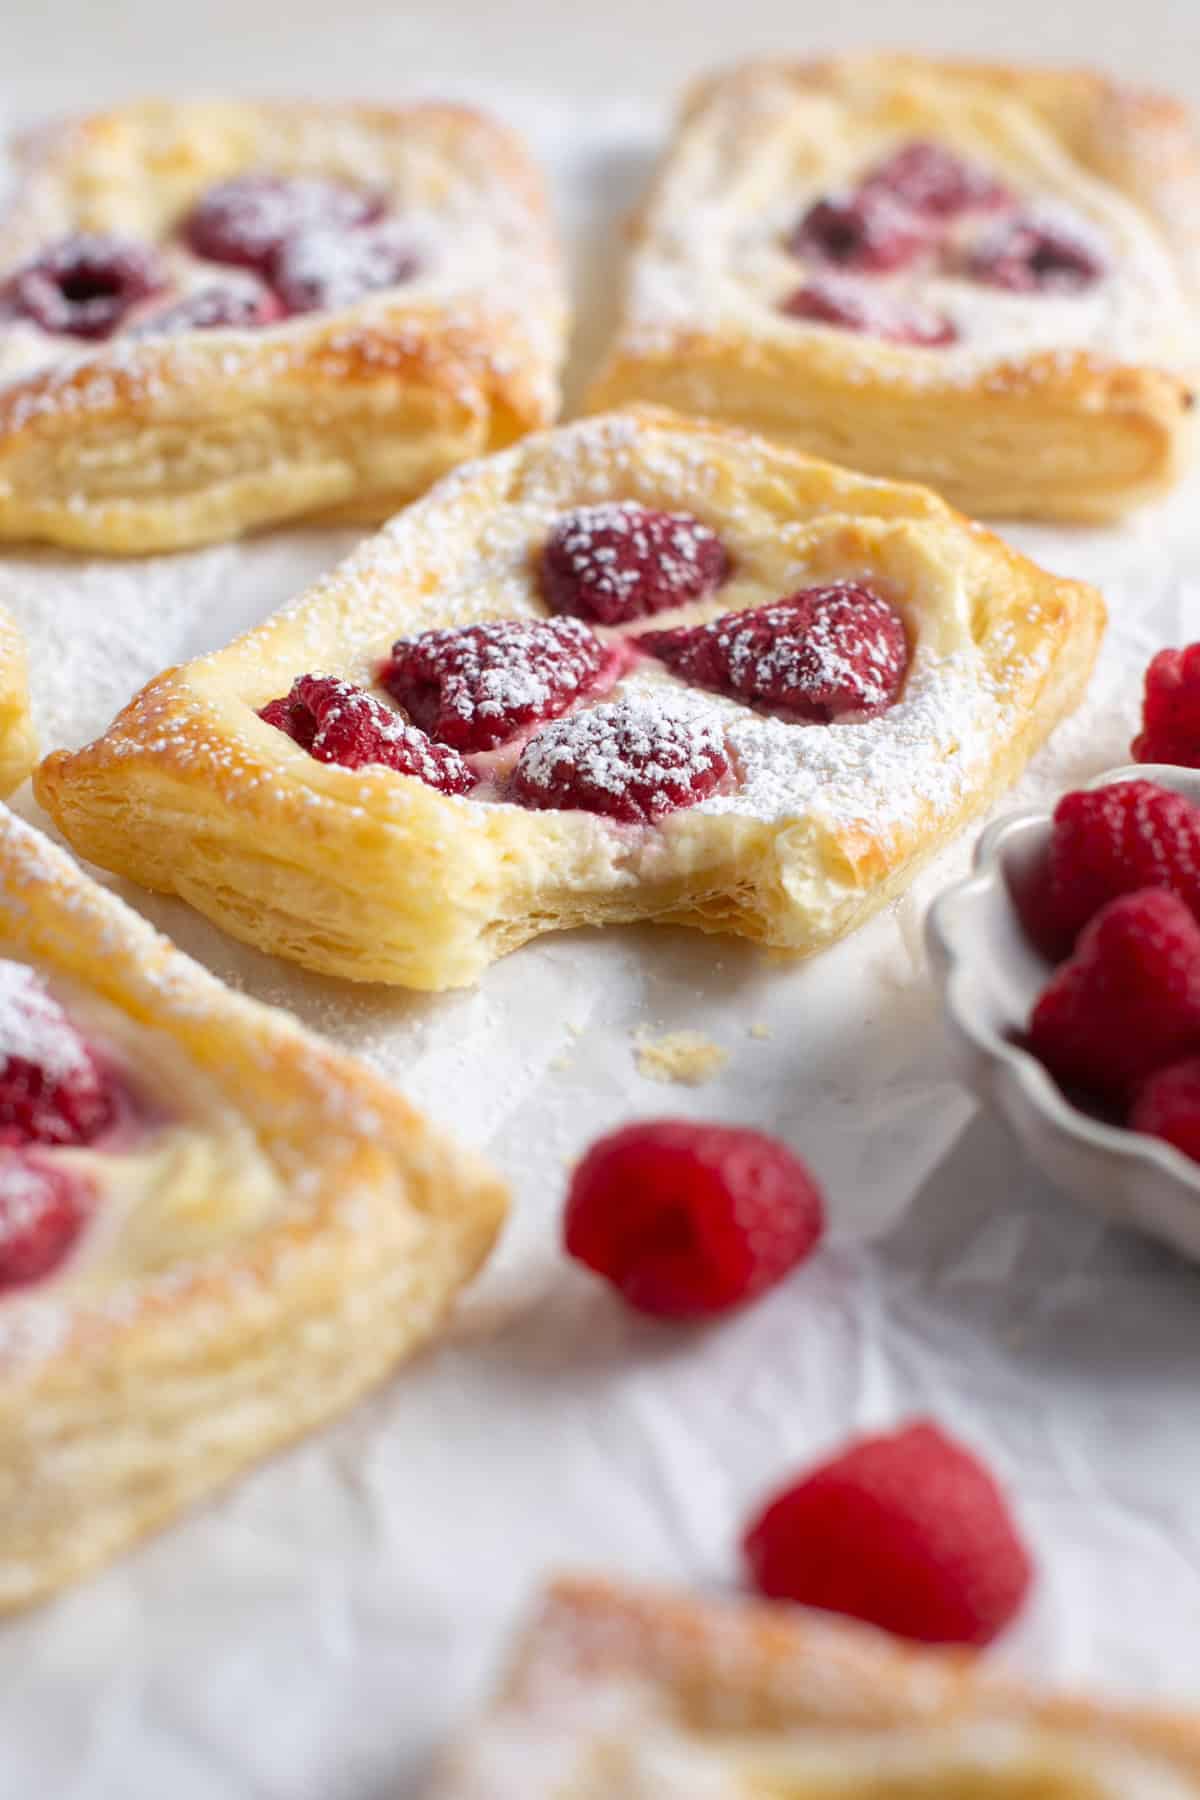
[990,977]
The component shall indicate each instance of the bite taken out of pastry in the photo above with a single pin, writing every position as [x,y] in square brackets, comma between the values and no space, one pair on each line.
[218,315]
[215,1231]
[981,277]
[639,667]
[624,1690]
[18,740]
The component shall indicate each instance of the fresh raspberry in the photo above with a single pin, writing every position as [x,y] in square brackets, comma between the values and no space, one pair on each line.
[619,561]
[85,285]
[245,221]
[1127,1002]
[836,303]
[631,760]
[1169,1107]
[339,723]
[51,1090]
[1171,710]
[322,268]
[907,1531]
[216,308]
[864,231]
[929,179]
[41,1214]
[690,1220]
[478,686]
[1037,253]
[817,655]
[1104,842]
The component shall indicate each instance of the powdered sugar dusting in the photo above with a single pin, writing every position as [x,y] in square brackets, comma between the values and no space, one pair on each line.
[33,1026]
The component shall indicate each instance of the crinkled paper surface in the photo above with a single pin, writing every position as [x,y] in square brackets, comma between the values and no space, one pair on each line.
[315,1633]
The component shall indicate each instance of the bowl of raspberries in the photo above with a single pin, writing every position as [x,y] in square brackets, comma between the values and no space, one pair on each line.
[1069,961]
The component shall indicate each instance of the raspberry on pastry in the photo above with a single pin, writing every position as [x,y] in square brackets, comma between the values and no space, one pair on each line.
[631,760]
[931,179]
[617,561]
[908,1531]
[687,1220]
[1168,1106]
[1104,842]
[337,722]
[42,1212]
[1171,710]
[1038,252]
[86,285]
[1127,1002]
[476,686]
[863,232]
[837,303]
[221,306]
[247,220]
[819,655]
[323,267]
[51,1088]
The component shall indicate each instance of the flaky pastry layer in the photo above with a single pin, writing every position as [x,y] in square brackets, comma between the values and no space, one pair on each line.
[377,877]
[1076,407]
[141,444]
[620,1690]
[18,740]
[133,1384]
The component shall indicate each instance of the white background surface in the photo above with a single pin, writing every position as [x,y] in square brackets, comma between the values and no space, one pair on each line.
[313,1635]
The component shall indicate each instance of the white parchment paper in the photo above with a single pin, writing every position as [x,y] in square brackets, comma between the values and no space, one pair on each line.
[315,1633]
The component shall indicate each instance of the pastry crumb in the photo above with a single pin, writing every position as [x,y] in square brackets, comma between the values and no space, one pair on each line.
[683,1056]
[760,1030]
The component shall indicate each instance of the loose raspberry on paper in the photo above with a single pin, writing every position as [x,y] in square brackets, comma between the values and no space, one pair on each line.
[1171,710]
[479,685]
[819,655]
[689,1220]
[337,722]
[617,561]
[908,1531]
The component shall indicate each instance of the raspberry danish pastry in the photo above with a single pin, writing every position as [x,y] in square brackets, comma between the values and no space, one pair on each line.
[215,1231]
[216,316]
[638,1691]
[979,277]
[18,745]
[636,668]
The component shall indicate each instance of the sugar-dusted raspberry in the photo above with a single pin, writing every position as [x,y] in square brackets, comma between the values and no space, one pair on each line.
[480,685]
[51,1088]
[85,286]
[930,179]
[337,722]
[1168,1106]
[222,306]
[1039,252]
[245,221]
[1107,841]
[1171,710]
[1127,1002]
[617,561]
[818,655]
[42,1211]
[322,268]
[632,760]
[907,1530]
[688,1220]
[837,303]
[863,231]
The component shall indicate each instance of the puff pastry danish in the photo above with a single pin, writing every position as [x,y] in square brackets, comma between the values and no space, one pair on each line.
[218,315]
[651,669]
[215,1231]
[984,278]
[18,742]
[626,1691]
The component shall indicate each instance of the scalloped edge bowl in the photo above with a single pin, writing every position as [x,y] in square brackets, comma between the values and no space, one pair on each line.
[990,976]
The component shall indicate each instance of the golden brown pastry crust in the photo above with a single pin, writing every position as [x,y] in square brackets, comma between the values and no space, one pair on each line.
[158,443]
[125,1398]
[376,877]
[1054,432]
[18,741]
[739,1685]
